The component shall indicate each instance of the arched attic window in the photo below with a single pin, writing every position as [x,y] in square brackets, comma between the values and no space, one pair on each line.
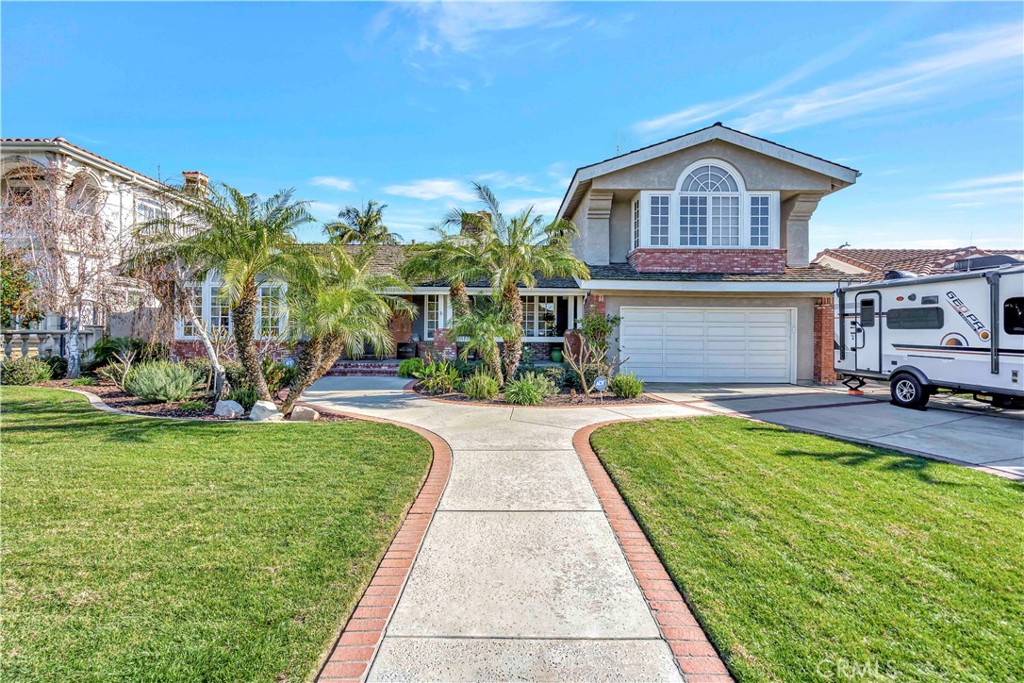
[709,208]
[83,194]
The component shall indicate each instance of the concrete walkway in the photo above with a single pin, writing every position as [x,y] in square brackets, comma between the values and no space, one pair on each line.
[520,575]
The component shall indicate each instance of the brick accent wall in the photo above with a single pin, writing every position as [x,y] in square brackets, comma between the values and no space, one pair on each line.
[708,260]
[824,341]
[595,303]
[441,347]
[401,328]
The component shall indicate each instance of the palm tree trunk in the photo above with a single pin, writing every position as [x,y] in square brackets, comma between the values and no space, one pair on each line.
[243,318]
[460,299]
[514,346]
[306,368]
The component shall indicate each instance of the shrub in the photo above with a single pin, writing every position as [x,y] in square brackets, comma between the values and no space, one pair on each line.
[572,378]
[481,386]
[160,381]
[106,349]
[193,406]
[277,374]
[554,373]
[58,366]
[84,382]
[203,369]
[24,370]
[626,385]
[441,377]
[235,374]
[114,373]
[542,382]
[466,368]
[409,367]
[245,396]
[524,392]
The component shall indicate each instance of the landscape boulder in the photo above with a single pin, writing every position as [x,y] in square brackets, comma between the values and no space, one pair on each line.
[265,411]
[303,414]
[228,409]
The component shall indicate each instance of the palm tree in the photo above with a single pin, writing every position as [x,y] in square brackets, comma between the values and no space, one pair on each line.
[244,240]
[336,305]
[513,252]
[483,325]
[362,226]
[455,257]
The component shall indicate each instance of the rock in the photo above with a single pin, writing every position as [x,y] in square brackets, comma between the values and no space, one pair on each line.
[228,409]
[304,414]
[265,411]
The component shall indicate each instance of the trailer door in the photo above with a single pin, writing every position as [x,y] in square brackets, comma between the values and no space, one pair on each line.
[868,344]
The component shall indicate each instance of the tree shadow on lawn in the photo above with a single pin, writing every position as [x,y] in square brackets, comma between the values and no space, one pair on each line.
[861,455]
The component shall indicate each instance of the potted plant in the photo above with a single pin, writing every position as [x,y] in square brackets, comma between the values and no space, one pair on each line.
[556,354]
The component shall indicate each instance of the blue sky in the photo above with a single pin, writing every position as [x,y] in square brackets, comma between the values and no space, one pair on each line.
[408,103]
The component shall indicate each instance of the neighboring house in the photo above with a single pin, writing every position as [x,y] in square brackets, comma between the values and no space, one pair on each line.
[876,262]
[700,243]
[121,197]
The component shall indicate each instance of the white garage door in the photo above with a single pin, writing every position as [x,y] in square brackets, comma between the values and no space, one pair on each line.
[708,344]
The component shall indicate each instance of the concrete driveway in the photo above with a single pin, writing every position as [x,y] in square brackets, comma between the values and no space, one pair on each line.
[972,435]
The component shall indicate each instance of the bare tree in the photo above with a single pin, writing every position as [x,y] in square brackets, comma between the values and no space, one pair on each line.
[59,221]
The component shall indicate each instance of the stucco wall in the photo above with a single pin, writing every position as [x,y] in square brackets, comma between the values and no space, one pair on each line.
[804,306]
[759,172]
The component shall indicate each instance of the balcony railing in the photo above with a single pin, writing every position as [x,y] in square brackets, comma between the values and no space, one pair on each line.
[46,342]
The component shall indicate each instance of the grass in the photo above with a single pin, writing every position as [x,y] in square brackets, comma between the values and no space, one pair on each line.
[153,550]
[805,557]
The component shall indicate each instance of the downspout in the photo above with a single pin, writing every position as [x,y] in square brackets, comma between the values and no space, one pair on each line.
[841,300]
[993,289]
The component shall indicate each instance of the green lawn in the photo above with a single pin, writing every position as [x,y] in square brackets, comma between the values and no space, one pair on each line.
[147,550]
[804,556]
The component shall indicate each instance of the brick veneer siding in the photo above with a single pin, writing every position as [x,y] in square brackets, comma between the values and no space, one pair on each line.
[708,260]
[595,303]
[401,328]
[441,347]
[824,341]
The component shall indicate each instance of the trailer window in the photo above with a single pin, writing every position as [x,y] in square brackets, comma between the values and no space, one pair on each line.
[924,318]
[867,312]
[1013,315]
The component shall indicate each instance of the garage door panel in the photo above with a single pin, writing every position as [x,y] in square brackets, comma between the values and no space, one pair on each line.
[708,345]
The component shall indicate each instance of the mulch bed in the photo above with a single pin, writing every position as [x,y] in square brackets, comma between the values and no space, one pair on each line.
[564,399]
[115,398]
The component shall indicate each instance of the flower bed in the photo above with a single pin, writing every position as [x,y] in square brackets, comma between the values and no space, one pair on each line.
[563,399]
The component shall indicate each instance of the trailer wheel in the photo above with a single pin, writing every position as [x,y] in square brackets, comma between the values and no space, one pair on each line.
[1001,401]
[907,391]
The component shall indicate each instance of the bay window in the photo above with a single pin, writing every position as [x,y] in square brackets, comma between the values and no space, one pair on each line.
[220,312]
[195,291]
[271,311]
[710,208]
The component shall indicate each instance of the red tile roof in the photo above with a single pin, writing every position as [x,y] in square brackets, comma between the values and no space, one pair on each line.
[920,261]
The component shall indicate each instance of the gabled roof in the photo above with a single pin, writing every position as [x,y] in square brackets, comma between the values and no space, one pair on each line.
[581,179]
[58,144]
[920,261]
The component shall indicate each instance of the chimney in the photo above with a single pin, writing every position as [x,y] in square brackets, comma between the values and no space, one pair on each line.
[196,182]
[472,223]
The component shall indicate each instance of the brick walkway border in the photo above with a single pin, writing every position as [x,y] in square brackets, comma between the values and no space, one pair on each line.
[359,639]
[695,655]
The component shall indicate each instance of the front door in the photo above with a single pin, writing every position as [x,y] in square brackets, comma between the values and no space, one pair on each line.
[868,332]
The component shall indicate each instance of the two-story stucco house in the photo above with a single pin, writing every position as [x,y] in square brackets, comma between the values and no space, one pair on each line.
[700,244]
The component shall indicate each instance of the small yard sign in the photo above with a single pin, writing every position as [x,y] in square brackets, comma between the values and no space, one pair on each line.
[600,384]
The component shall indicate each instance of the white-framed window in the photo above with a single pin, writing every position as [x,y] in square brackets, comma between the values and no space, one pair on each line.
[659,220]
[148,210]
[540,316]
[432,315]
[636,222]
[220,312]
[271,311]
[710,207]
[760,220]
[195,290]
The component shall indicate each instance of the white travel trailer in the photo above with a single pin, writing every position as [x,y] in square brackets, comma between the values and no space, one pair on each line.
[962,330]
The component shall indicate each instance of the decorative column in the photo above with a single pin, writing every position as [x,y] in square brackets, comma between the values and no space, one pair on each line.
[795,215]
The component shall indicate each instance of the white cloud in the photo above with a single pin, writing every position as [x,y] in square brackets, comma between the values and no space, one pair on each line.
[433,188]
[1007,188]
[961,61]
[467,26]
[544,206]
[335,183]
[938,67]
[501,179]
